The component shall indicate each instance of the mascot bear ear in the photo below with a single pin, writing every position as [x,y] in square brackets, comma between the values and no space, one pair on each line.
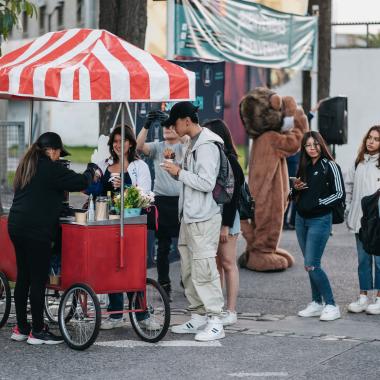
[275,102]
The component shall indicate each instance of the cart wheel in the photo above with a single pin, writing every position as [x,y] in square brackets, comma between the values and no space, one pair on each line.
[82,329]
[5,300]
[51,307]
[156,322]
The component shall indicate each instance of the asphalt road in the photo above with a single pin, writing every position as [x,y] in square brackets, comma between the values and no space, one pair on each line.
[268,342]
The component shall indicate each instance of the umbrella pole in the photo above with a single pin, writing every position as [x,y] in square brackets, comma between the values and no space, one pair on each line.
[117,116]
[122,189]
[131,118]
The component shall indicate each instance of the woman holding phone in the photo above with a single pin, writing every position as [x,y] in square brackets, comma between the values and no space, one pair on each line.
[317,188]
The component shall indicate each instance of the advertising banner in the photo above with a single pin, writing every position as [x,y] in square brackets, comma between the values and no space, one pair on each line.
[244,32]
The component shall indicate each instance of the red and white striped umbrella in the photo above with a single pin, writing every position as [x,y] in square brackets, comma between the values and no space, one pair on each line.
[89,65]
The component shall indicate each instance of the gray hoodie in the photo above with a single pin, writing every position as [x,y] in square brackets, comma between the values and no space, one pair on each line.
[196,203]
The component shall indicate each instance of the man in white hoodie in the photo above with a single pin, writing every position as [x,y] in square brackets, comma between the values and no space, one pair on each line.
[200,223]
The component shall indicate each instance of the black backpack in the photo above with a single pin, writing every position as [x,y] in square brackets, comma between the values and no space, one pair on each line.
[369,233]
[225,181]
[246,203]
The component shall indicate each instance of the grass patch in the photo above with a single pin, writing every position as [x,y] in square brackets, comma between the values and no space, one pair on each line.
[80,154]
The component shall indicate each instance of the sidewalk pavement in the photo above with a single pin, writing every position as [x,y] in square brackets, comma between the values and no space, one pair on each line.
[268,302]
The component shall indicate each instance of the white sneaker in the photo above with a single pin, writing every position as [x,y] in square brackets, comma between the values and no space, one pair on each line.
[228,317]
[150,324]
[196,323]
[330,313]
[374,308]
[313,309]
[213,331]
[360,305]
[112,323]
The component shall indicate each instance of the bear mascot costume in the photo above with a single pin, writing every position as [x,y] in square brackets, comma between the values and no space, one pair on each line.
[276,126]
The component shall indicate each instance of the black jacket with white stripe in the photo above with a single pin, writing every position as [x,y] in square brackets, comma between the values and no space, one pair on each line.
[325,189]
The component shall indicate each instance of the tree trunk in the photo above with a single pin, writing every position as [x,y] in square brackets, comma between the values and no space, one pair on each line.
[324,54]
[128,20]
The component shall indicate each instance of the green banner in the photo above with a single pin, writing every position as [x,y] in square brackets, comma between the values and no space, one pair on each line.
[244,32]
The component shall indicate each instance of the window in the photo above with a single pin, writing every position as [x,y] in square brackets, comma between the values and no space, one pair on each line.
[42,18]
[24,24]
[80,9]
[60,16]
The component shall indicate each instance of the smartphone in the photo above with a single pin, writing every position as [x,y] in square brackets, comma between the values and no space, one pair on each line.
[293,178]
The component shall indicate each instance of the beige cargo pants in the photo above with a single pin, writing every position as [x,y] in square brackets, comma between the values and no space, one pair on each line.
[198,244]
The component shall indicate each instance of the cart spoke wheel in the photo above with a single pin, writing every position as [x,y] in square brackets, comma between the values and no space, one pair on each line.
[51,307]
[5,299]
[81,304]
[150,325]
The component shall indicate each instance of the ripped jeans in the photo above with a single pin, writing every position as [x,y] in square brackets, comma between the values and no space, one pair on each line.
[312,236]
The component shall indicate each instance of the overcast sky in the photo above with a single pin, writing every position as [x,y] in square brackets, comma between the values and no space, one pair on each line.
[356,10]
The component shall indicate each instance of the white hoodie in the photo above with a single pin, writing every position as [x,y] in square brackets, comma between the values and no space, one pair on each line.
[360,182]
[196,203]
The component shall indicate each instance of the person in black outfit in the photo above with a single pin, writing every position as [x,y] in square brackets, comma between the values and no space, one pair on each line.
[229,233]
[317,190]
[40,183]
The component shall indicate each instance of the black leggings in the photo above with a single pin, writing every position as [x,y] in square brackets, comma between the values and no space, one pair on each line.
[33,264]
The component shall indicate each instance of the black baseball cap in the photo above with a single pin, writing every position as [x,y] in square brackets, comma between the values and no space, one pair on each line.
[180,110]
[52,140]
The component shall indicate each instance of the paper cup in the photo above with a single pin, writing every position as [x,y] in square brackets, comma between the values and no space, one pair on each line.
[81,217]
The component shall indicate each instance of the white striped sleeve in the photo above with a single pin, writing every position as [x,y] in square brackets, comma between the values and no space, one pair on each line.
[338,186]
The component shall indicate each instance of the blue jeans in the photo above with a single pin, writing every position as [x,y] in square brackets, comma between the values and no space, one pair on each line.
[365,268]
[116,303]
[312,236]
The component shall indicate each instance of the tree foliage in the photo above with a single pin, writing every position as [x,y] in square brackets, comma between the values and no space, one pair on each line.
[10,11]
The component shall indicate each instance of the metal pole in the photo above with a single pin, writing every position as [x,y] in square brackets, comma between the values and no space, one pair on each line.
[122,189]
[131,118]
[31,123]
[170,21]
[117,117]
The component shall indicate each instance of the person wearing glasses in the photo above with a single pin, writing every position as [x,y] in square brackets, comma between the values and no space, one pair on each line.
[318,187]
[166,190]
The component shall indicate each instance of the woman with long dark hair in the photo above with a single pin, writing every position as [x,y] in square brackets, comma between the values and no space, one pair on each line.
[39,184]
[136,172]
[363,179]
[317,189]
[229,233]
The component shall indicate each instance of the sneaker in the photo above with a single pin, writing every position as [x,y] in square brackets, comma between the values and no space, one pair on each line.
[150,324]
[213,331]
[196,323]
[313,309]
[374,308]
[19,336]
[360,305]
[44,337]
[112,323]
[330,313]
[228,318]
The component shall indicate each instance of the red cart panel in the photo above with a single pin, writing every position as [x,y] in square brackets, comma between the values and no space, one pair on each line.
[91,255]
[7,253]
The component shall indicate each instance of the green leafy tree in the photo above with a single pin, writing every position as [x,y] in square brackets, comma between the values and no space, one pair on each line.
[10,11]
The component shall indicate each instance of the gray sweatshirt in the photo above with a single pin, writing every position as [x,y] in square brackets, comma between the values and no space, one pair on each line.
[196,203]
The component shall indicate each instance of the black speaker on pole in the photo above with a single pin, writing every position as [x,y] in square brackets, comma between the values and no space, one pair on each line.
[332,120]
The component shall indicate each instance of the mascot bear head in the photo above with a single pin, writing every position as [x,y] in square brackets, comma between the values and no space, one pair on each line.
[263,110]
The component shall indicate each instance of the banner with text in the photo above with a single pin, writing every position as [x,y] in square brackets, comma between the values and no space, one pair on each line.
[244,32]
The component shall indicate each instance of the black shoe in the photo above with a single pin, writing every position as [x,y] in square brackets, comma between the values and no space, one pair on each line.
[168,291]
[44,337]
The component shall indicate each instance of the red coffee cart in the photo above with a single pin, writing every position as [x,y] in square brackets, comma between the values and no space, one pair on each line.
[84,65]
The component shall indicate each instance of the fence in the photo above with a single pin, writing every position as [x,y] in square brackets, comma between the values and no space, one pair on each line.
[356,35]
[12,147]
